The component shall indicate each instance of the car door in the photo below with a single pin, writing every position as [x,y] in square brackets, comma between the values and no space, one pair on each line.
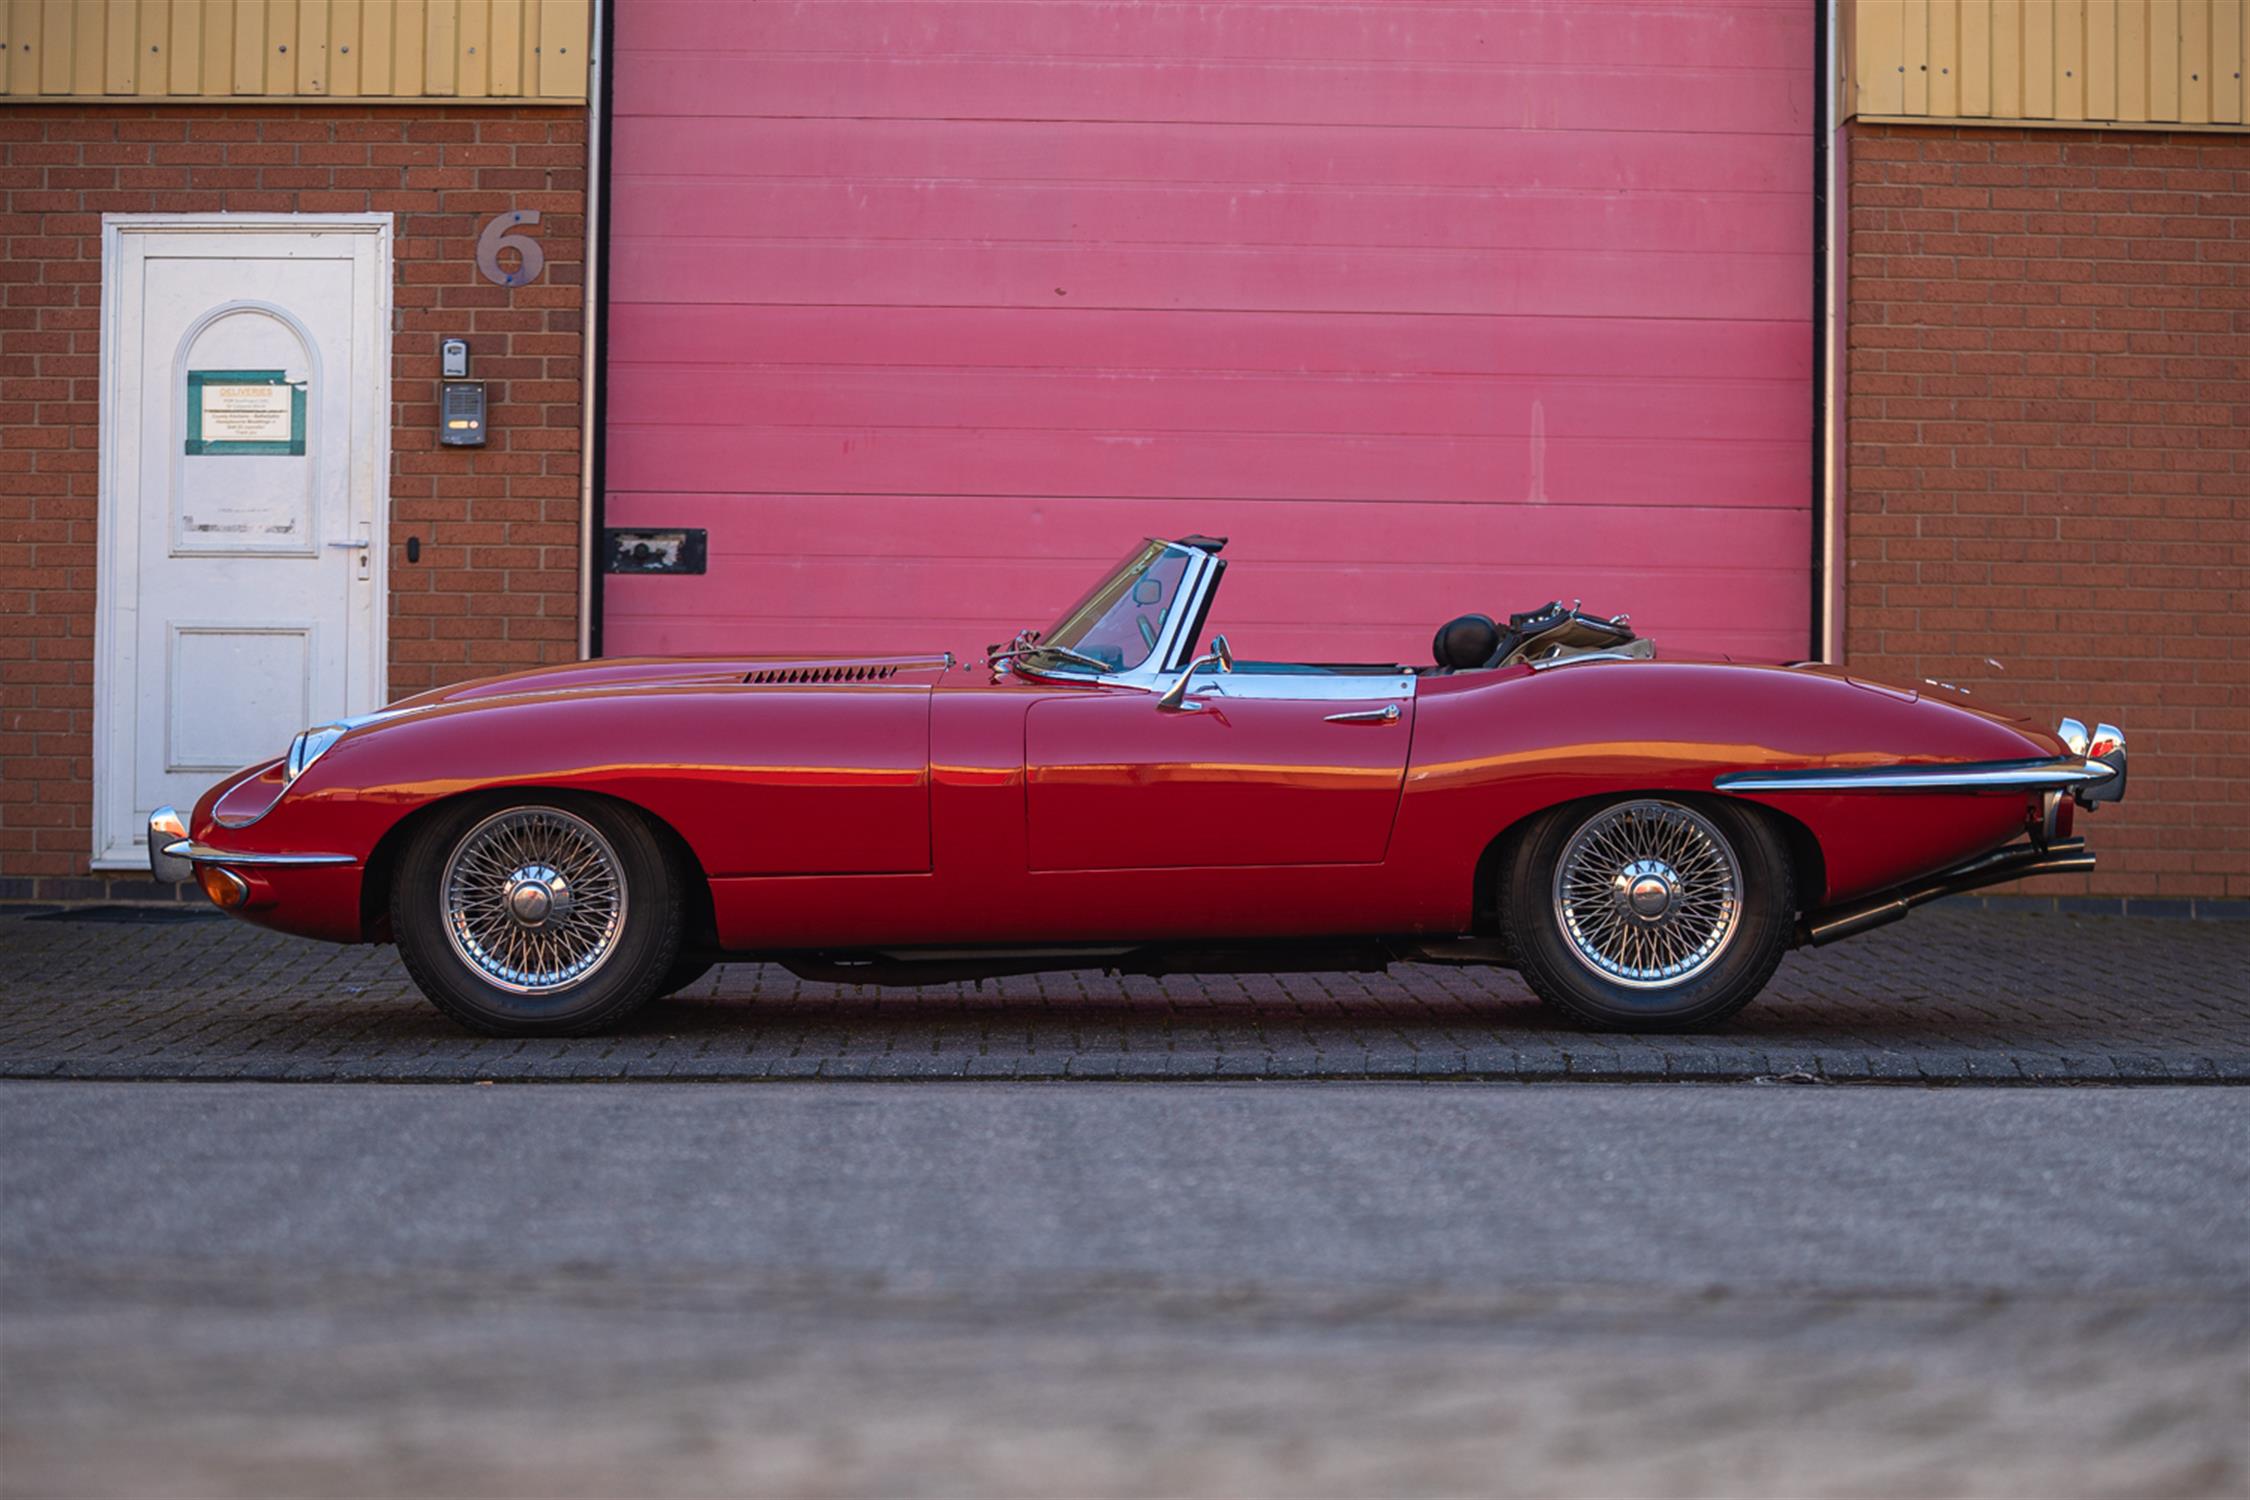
[1256,767]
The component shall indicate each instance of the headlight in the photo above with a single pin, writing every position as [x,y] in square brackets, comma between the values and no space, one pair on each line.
[311,746]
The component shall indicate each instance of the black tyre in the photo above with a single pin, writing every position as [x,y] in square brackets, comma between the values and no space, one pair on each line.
[1648,913]
[549,916]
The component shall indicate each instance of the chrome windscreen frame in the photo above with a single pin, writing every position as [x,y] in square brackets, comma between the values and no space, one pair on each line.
[1175,644]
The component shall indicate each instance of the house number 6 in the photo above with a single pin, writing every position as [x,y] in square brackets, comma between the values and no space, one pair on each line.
[501,235]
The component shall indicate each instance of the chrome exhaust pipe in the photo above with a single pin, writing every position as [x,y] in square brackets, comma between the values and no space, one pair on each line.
[2064,857]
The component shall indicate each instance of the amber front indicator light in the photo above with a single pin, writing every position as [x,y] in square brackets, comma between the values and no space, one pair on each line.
[224,887]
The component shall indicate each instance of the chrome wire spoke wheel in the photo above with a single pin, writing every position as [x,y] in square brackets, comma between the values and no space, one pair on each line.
[1648,894]
[534,899]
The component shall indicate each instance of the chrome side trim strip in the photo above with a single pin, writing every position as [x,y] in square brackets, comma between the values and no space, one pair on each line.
[1306,687]
[1987,776]
[186,849]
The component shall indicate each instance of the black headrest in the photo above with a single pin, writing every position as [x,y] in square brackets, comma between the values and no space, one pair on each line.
[1465,644]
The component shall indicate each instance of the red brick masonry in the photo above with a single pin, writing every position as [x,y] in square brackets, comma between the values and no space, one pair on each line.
[496,587]
[2049,463]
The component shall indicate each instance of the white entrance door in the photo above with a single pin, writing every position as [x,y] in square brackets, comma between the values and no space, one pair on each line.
[245,453]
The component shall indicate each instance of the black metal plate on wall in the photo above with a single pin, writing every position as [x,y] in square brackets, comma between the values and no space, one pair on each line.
[461,415]
[679,549]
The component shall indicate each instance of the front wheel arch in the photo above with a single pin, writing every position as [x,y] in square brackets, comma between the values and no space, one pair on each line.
[375,879]
[479,942]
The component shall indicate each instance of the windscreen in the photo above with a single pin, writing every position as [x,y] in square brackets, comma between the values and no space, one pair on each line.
[1120,621]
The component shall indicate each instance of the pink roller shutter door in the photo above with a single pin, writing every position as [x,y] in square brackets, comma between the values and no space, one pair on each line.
[926,310]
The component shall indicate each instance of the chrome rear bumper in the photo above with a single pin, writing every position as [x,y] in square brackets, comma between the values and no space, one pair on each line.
[2070,773]
[2093,771]
[2105,746]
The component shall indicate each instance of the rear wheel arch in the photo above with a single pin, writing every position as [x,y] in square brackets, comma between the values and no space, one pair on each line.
[1720,872]
[1806,859]
[1807,864]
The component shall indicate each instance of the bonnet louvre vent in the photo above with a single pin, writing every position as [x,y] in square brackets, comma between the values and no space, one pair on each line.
[823,674]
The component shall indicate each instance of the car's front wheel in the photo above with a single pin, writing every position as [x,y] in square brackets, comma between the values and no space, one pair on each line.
[1646,913]
[549,917]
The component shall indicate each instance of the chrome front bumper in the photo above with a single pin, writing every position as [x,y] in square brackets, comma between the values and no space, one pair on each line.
[168,846]
[172,855]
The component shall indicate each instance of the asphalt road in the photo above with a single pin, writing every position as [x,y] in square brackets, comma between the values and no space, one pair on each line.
[1123,1289]
[1674,1188]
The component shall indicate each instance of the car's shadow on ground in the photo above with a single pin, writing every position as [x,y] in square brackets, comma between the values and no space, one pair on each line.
[1335,1021]
[1951,997]
[744,1010]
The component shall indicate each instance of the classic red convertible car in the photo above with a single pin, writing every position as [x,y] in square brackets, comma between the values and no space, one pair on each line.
[1642,839]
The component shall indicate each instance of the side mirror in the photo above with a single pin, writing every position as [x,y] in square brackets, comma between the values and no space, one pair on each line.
[1175,698]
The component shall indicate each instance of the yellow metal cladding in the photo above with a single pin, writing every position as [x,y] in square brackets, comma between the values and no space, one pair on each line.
[371,51]
[2174,63]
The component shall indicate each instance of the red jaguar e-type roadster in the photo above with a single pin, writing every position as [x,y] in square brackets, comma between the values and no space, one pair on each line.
[1641,838]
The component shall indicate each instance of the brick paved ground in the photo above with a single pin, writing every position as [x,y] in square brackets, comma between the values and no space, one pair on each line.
[1952,995]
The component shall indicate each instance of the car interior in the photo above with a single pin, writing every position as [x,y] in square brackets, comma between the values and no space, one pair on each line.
[1471,643]
[1128,625]
[1476,643]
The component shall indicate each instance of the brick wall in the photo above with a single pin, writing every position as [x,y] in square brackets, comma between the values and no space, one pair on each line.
[2049,457]
[496,587]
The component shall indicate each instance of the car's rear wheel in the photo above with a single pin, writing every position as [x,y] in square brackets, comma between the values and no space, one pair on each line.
[1648,913]
[548,917]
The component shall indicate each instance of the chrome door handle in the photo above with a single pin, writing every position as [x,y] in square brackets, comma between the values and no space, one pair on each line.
[358,546]
[1387,714]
